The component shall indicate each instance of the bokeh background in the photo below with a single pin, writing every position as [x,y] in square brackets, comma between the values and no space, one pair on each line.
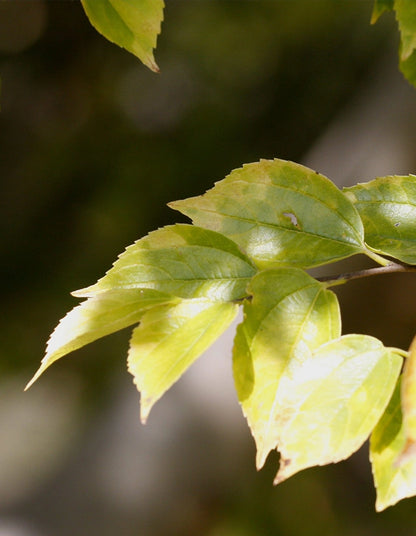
[92,147]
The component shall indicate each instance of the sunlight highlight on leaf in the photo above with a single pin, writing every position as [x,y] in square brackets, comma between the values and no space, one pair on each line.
[333,401]
[387,206]
[182,260]
[280,213]
[291,314]
[96,317]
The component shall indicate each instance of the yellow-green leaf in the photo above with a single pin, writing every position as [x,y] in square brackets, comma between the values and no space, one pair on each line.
[332,402]
[280,213]
[168,341]
[96,317]
[406,17]
[408,397]
[131,24]
[291,314]
[182,260]
[387,206]
[393,481]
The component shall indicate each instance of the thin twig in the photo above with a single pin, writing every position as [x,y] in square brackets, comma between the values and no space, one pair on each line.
[340,279]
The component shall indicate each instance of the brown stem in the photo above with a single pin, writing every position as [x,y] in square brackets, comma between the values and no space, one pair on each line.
[343,278]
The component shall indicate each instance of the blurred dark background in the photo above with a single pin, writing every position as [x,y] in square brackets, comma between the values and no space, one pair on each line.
[92,147]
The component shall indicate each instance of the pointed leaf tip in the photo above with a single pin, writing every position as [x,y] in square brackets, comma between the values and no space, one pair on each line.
[380,6]
[168,340]
[133,25]
[97,317]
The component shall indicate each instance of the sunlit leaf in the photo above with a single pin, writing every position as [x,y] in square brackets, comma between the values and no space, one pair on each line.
[291,314]
[408,397]
[387,206]
[333,401]
[182,260]
[97,317]
[406,17]
[380,6]
[168,341]
[131,24]
[393,481]
[280,213]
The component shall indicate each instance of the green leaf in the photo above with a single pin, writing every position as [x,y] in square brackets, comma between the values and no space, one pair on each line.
[168,341]
[393,481]
[131,24]
[406,17]
[408,396]
[291,314]
[387,206]
[408,68]
[333,401]
[96,317]
[182,260]
[380,6]
[280,213]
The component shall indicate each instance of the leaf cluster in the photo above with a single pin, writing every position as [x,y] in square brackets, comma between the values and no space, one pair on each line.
[305,389]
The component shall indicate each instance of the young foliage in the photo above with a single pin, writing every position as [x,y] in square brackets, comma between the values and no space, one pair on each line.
[131,24]
[333,401]
[169,339]
[290,315]
[99,316]
[182,260]
[280,213]
[305,390]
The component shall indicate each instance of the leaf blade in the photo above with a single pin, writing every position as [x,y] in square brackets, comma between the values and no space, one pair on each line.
[406,18]
[393,481]
[408,402]
[342,394]
[133,24]
[169,339]
[279,329]
[387,206]
[97,317]
[279,213]
[182,260]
